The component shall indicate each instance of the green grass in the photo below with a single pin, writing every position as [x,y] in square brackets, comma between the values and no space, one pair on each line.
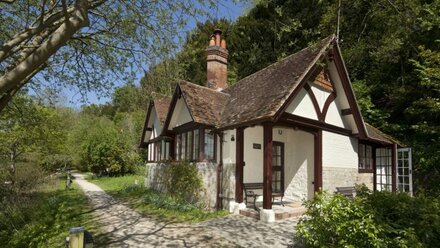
[151,203]
[43,217]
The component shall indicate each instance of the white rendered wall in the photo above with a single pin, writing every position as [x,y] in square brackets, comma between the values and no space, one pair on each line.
[229,147]
[298,162]
[253,158]
[181,114]
[339,151]
[333,115]
[321,95]
[302,105]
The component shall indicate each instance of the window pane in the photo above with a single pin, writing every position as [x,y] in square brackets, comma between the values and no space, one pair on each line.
[196,145]
[190,146]
[178,144]
[183,157]
[209,145]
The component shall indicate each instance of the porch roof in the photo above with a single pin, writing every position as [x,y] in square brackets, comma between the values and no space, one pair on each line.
[377,135]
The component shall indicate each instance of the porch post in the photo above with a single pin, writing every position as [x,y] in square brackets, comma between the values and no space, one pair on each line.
[239,161]
[318,161]
[393,167]
[267,170]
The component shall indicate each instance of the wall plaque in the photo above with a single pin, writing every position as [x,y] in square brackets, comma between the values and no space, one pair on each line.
[257,146]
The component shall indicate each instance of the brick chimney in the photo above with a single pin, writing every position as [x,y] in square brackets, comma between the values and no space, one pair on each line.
[217,62]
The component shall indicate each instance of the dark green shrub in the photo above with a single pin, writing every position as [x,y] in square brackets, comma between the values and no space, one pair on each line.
[183,181]
[401,212]
[372,219]
[336,221]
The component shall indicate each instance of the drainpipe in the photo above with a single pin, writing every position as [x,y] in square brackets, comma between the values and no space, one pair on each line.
[219,175]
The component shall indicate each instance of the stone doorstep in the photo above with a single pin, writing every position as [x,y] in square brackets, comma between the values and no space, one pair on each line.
[278,216]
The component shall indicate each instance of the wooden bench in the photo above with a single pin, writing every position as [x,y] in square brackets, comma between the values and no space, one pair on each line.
[249,191]
[349,192]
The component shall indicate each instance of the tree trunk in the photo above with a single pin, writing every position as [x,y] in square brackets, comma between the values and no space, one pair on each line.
[12,167]
[75,22]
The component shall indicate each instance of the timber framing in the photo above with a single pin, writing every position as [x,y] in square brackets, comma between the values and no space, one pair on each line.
[295,120]
[267,164]
[317,183]
[239,161]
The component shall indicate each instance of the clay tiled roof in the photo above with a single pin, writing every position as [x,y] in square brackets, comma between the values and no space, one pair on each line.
[205,105]
[161,104]
[376,134]
[262,94]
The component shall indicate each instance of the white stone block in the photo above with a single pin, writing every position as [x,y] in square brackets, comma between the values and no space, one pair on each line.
[267,215]
[235,207]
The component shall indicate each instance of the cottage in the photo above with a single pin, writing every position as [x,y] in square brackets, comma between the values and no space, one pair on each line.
[293,127]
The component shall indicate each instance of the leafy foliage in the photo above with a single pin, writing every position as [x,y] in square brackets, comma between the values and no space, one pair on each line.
[41,218]
[372,219]
[182,180]
[150,202]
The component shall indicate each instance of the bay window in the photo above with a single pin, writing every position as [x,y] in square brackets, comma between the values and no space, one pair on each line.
[188,146]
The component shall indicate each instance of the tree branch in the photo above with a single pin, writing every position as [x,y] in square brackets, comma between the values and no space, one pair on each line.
[75,22]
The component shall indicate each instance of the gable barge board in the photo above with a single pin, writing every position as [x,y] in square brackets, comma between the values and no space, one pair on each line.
[314,124]
[142,144]
[346,85]
[177,94]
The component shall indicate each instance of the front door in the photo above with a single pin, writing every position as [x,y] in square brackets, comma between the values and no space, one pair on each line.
[404,170]
[278,167]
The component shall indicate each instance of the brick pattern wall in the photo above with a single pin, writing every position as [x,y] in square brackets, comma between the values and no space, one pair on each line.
[333,177]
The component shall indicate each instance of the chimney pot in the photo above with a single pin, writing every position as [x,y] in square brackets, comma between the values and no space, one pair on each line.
[218,34]
[223,44]
[212,41]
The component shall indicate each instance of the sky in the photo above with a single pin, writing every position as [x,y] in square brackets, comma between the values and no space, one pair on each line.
[228,9]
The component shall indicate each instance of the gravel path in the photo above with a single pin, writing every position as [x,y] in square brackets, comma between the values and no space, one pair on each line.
[127,228]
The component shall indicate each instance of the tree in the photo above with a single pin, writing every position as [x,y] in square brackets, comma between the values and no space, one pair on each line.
[28,127]
[272,30]
[85,43]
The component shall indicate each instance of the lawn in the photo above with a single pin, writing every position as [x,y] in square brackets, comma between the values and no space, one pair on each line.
[151,203]
[42,218]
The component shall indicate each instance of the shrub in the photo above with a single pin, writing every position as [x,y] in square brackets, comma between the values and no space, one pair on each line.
[336,221]
[183,181]
[401,213]
[110,157]
[372,219]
